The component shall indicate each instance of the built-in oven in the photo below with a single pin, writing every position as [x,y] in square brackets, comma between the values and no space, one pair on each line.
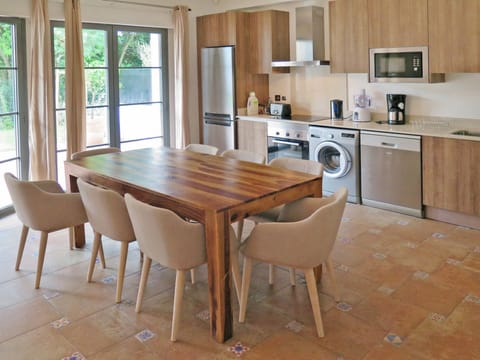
[287,139]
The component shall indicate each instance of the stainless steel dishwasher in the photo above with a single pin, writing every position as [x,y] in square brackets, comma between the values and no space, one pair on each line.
[391,172]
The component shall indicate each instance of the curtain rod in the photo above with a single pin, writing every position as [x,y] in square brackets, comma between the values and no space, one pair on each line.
[144,4]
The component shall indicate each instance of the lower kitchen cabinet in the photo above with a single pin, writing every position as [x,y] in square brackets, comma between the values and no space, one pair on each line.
[451,174]
[252,136]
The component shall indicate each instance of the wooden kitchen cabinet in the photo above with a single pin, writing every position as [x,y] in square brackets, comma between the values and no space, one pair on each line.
[397,23]
[348,36]
[451,174]
[269,40]
[454,35]
[252,136]
[230,28]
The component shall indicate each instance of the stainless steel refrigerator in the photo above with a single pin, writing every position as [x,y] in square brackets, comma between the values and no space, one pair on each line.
[218,96]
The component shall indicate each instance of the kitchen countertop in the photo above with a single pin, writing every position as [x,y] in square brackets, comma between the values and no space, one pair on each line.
[417,125]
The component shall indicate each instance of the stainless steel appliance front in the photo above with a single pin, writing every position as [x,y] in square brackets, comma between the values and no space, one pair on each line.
[287,139]
[218,96]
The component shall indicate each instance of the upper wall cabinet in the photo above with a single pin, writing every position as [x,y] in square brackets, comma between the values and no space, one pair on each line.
[217,29]
[398,23]
[348,36]
[454,35]
[269,40]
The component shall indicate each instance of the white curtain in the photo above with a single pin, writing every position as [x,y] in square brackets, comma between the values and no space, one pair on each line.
[41,119]
[180,56]
[75,103]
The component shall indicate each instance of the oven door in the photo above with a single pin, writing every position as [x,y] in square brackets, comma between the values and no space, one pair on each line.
[281,147]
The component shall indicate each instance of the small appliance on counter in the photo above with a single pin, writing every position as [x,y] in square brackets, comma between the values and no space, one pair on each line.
[362,105]
[336,109]
[396,108]
[280,110]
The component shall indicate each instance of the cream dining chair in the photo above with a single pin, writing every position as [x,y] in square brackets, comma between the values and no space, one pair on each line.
[271,215]
[202,149]
[108,216]
[82,154]
[244,155]
[165,237]
[304,243]
[43,206]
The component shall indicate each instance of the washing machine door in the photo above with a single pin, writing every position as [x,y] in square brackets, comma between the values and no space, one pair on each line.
[336,160]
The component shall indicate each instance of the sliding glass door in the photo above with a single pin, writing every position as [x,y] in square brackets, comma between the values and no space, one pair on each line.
[13,105]
[126,87]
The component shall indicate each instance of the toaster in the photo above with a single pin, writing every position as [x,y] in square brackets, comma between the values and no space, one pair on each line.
[280,109]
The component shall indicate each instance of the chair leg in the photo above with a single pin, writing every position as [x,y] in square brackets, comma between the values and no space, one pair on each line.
[121,270]
[71,239]
[292,276]
[192,276]
[237,280]
[247,275]
[41,257]
[147,262]
[240,229]
[271,274]
[333,279]
[313,293]
[21,246]
[101,254]
[177,303]
[97,241]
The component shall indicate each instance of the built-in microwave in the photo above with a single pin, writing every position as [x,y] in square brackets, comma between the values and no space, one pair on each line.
[405,64]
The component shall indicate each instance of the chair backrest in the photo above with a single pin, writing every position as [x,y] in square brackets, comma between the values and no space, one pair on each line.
[301,165]
[106,211]
[202,148]
[244,155]
[42,205]
[165,237]
[91,152]
[306,243]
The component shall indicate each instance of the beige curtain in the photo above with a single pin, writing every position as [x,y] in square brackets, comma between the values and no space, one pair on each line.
[74,79]
[41,119]
[180,56]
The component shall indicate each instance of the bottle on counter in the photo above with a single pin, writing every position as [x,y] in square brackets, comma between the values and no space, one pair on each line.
[252,104]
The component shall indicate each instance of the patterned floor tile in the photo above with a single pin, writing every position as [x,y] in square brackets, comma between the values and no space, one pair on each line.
[238,349]
[57,324]
[144,335]
[393,339]
[295,326]
[75,356]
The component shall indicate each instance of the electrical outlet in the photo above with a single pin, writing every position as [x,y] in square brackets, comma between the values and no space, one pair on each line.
[277,97]
[284,98]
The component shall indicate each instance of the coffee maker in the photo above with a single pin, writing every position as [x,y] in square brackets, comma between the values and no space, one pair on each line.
[396,108]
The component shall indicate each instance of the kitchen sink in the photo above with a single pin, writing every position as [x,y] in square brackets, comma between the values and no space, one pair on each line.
[465,133]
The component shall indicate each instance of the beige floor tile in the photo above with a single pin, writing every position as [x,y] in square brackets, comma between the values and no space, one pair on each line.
[465,236]
[18,290]
[466,317]
[417,230]
[429,296]
[472,261]
[99,331]
[128,349]
[390,352]
[415,258]
[41,343]
[389,314]
[442,342]
[348,335]
[444,248]
[350,255]
[286,345]
[463,280]
[384,272]
[26,316]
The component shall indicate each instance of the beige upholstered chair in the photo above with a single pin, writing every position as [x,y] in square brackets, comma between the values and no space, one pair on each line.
[43,206]
[79,155]
[171,241]
[202,149]
[244,155]
[303,244]
[301,165]
[91,152]
[108,216]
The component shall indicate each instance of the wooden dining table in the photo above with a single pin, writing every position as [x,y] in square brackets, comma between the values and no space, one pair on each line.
[212,190]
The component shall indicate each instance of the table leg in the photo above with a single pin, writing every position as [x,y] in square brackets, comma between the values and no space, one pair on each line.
[78,231]
[217,238]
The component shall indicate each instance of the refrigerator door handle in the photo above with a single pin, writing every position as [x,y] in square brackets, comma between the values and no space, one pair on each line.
[215,116]
[210,121]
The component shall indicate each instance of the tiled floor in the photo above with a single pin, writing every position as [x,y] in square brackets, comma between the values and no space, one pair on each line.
[410,289]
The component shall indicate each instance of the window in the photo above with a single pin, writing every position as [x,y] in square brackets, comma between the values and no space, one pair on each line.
[126,82]
[13,105]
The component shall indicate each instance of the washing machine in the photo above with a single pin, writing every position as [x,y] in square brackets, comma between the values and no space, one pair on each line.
[339,152]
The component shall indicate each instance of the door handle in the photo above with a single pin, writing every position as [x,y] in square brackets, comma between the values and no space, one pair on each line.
[285,142]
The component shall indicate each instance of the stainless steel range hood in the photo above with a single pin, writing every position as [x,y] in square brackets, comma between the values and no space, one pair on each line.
[310,38]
